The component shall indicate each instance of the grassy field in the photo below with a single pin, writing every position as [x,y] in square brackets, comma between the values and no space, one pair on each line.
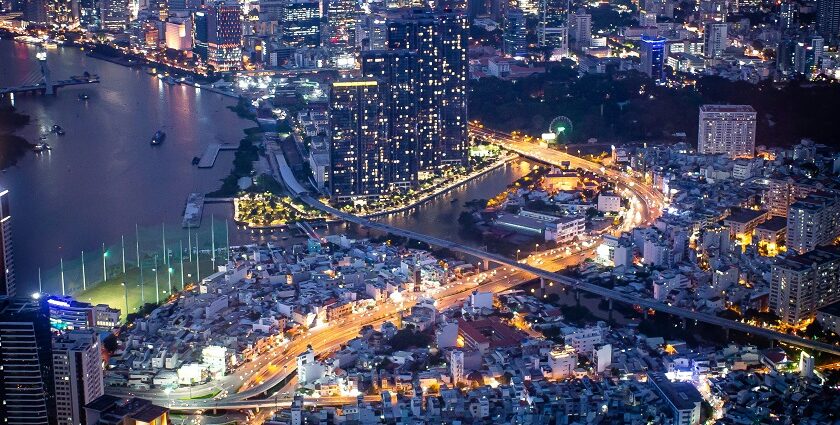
[112,292]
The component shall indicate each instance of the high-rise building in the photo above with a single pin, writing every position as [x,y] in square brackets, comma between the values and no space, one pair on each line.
[63,14]
[179,33]
[89,14]
[440,42]
[715,39]
[801,284]
[807,55]
[341,23]
[113,14]
[514,40]
[580,29]
[553,27]
[201,34]
[784,191]
[77,368]
[27,396]
[653,57]
[828,18]
[787,15]
[813,221]
[7,263]
[397,70]
[357,140]
[37,12]
[372,32]
[727,129]
[300,23]
[224,34]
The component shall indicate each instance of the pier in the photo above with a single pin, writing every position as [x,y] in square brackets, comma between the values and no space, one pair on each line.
[193,210]
[208,158]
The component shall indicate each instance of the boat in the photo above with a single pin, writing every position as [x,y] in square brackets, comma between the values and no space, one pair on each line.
[158,137]
[40,147]
[83,97]
[196,160]
[58,130]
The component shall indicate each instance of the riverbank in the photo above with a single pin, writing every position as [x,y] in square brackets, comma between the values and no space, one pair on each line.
[12,146]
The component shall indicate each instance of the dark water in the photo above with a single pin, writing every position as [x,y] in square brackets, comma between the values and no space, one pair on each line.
[102,177]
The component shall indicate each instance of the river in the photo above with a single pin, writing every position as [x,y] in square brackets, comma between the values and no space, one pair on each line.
[103,177]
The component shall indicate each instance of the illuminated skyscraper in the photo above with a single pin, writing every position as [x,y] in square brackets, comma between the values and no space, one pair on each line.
[553,27]
[440,42]
[300,23]
[62,14]
[7,264]
[514,39]
[828,18]
[113,14]
[224,34]
[26,373]
[397,71]
[358,140]
[653,57]
[341,23]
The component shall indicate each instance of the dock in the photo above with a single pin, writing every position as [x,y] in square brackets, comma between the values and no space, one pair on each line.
[193,210]
[208,158]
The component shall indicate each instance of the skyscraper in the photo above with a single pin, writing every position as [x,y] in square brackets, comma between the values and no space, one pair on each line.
[26,376]
[300,23]
[727,129]
[715,39]
[514,39]
[653,57]
[63,13]
[113,14]
[397,71]
[787,15]
[357,140]
[341,23]
[581,29]
[224,34]
[77,368]
[440,42]
[828,18]
[201,34]
[7,264]
[553,27]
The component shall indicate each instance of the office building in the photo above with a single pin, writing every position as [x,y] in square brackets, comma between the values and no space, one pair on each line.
[372,32]
[63,14]
[341,23]
[553,27]
[653,57]
[715,40]
[397,70]
[787,15]
[807,55]
[224,36]
[26,373]
[113,14]
[67,314]
[179,34]
[803,283]
[300,24]
[580,29]
[440,41]
[357,140]
[813,221]
[828,18]
[514,38]
[89,17]
[201,33]
[77,367]
[7,263]
[727,129]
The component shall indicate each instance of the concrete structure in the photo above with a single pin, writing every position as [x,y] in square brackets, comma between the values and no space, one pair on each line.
[804,283]
[727,129]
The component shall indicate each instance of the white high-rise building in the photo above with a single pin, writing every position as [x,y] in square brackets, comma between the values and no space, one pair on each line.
[801,284]
[456,365]
[727,129]
[77,367]
[715,39]
[813,221]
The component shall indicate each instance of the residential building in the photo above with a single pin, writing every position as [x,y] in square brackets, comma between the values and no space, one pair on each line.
[783,191]
[440,41]
[357,140]
[715,39]
[77,368]
[727,129]
[813,221]
[580,29]
[804,283]
[398,71]
[683,399]
[828,18]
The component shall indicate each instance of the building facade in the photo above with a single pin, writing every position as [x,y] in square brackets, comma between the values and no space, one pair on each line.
[727,129]
[801,284]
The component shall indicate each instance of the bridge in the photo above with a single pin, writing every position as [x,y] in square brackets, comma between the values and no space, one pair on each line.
[39,82]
